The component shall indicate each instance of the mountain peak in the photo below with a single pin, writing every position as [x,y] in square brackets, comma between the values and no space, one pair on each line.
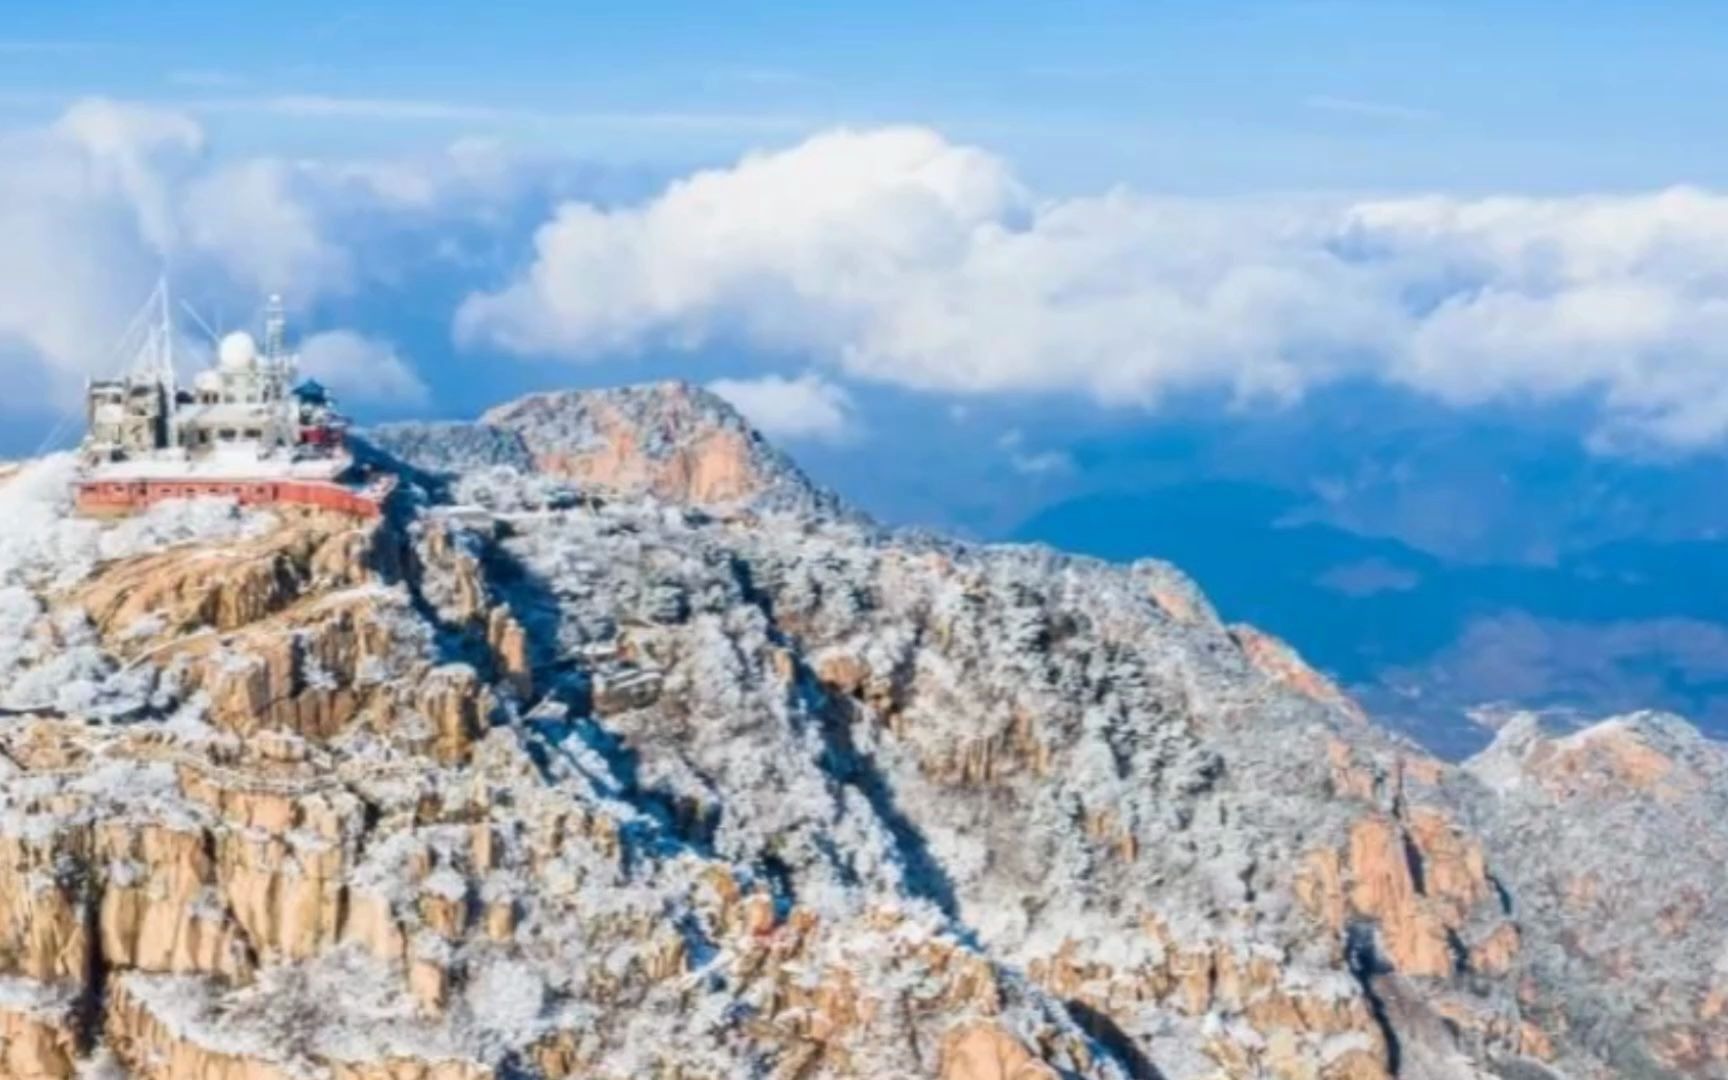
[671,440]
[1636,755]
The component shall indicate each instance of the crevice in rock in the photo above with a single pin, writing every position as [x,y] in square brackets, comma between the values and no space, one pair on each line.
[1501,893]
[1366,965]
[93,1002]
[1118,1043]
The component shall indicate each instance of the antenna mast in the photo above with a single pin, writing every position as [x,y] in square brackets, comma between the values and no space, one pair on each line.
[158,361]
[165,336]
[275,329]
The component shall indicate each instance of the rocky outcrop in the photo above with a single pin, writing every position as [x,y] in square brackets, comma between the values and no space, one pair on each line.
[1613,838]
[38,1031]
[670,440]
[596,786]
[984,1052]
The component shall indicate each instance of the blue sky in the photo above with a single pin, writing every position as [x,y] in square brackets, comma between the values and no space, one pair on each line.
[1187,96]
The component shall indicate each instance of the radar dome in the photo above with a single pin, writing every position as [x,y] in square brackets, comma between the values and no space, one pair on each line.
[237,352]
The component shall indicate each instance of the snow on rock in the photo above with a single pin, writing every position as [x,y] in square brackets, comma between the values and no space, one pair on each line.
[624,752]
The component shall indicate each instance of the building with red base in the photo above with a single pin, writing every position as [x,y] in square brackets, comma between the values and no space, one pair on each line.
[246,430]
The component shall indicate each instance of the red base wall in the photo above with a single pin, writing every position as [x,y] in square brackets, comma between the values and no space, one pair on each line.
[126,496]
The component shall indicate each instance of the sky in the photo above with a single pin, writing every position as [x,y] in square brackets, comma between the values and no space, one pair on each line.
[1183,95]
[1450,277]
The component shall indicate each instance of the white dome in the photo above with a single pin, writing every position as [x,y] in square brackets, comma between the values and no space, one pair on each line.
[237,352]
[207,380]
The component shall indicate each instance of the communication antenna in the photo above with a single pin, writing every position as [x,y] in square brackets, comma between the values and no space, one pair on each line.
[275,329]
[155,356]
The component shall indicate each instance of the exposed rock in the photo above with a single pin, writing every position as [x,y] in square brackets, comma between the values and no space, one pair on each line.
[602,787]
[671,440]
[1613,840]
[984,1052]
[38,1031]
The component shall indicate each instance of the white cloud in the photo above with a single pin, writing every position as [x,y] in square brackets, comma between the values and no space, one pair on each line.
[249,216]
[807,407]
[773,245]
[96,204]
[895,255]
[1032,462]
[899,257]
[87,214]
[361,369]
[1042,463]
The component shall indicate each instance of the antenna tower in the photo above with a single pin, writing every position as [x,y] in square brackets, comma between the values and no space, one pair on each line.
[275,330]
[154,326]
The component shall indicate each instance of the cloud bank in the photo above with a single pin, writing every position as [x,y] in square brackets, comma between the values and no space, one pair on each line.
[361,369]
[893,256]
[899,257]
[806,407]
[94,206]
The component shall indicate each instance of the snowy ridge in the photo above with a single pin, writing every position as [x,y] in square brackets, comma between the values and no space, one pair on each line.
[703,777]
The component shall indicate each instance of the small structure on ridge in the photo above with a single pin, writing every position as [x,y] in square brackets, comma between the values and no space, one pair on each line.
[245,429]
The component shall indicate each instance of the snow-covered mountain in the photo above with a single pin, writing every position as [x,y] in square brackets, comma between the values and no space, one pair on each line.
[620,750]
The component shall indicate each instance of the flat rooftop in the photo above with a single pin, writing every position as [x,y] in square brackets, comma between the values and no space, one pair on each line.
[220,464]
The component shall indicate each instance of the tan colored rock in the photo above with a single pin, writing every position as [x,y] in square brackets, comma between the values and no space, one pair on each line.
[1495,954]
[157,917]
[288,898]
[409,1069]
[1534,1042]
[223,588]
[1381,886]
[1174,604]
[842,673]
[509,645]
[1351,778]
[452,698]
[1454,870]
[445,916]
[429,982]
[1280,663]
[983,1051]
[1319,885]
[37,1044]
[43,923]
[707,467]
[152,1050]
[1356,1065]
[1606,760]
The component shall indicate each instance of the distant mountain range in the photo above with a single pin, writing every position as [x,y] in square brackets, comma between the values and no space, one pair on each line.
[1422,639]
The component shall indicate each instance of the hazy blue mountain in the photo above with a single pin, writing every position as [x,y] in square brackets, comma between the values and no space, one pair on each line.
[1423,639]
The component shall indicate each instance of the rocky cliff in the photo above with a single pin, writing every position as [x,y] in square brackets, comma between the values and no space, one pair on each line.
[669,441]
[619,750]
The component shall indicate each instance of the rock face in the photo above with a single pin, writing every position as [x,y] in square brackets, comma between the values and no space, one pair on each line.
[687,776]
[1614,839]
[670,441]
